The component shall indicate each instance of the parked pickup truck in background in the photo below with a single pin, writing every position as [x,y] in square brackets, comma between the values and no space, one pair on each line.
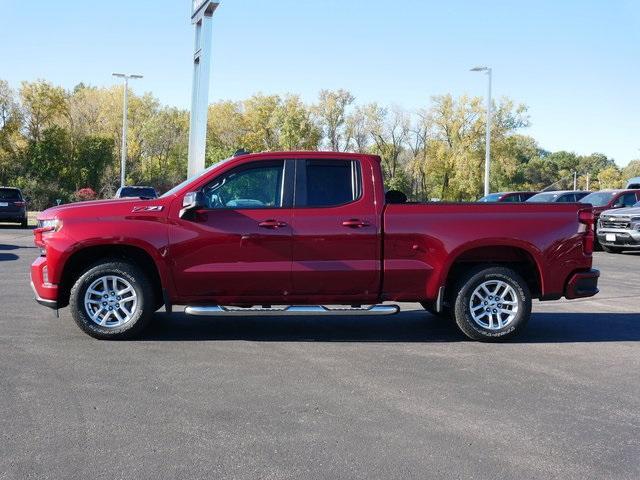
[609,200]
[619,229]
[307,229]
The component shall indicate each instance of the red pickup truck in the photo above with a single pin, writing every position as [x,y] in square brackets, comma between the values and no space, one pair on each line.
[308,229]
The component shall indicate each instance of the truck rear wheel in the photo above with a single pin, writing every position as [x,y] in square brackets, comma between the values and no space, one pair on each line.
[112,300]
[493,303]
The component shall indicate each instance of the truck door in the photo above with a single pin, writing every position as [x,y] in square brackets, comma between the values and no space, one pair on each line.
[239,245]
[336,231]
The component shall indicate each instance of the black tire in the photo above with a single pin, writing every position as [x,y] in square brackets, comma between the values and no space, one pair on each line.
[611,249]
[24,223]
[462,306]
[140,284]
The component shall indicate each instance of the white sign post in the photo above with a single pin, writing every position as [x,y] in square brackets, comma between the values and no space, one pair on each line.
[201,17]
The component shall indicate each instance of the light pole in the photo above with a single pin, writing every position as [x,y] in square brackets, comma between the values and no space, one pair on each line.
[123,157]
[201,17]
[487,154]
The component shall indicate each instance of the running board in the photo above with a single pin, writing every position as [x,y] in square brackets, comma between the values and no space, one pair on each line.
[219,311]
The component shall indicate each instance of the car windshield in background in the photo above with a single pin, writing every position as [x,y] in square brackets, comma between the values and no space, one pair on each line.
[544,197]
[138,192]
[598,199]
[10,194]
[494,197]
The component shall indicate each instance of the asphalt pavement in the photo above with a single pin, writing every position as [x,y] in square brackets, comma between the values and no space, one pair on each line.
[321,398]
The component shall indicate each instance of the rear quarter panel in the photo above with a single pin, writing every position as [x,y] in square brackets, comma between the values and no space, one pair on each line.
[422,241]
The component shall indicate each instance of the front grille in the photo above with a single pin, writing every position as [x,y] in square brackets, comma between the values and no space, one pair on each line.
[623,223]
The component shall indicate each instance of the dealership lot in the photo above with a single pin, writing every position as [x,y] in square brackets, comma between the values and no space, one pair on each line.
[394,397]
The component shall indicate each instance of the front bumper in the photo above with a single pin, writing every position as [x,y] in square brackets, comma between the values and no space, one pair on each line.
[45,293]
[623,238]
[582,284]
[43,301]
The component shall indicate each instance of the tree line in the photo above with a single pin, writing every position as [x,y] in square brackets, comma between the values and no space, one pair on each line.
[61,144]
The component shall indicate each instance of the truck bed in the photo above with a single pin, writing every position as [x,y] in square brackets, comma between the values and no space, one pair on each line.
[423,241]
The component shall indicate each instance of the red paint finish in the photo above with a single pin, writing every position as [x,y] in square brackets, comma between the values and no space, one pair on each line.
[229,253]
[337,250]
[361,252]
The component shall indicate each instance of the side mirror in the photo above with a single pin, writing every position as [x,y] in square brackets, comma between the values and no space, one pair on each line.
[191,201]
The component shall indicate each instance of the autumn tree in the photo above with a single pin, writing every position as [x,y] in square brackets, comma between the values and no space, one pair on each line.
[610,177]
[56,142]
[331,112]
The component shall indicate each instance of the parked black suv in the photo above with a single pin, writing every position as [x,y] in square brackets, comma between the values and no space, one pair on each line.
[13,207]
[136,192]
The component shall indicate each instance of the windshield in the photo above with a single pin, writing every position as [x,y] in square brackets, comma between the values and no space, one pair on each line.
[598,199]
[544,197]
[191,179]
[494,197]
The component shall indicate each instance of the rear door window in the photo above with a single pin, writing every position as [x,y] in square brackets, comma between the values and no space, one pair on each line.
[327,183]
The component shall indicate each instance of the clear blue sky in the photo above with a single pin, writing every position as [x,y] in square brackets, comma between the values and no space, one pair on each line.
[576,64]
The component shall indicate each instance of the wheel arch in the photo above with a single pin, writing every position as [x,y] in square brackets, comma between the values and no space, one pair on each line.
[521,258]
[86,256]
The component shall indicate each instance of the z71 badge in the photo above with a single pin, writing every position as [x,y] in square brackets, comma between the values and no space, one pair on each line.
[150,208]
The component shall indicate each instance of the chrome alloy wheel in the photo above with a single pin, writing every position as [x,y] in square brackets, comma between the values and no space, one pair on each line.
[494,304]
[110,301]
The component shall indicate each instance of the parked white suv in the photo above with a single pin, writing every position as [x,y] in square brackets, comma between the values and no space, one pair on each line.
[619,229]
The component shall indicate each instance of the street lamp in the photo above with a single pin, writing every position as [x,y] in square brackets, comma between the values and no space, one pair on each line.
[487,154]
[123,157]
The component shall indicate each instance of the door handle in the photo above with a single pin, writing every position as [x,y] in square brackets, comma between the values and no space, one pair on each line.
[355,223]
[272,224]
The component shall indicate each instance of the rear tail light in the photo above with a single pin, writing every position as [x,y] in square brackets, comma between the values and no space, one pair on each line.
[20,204]
[587,218]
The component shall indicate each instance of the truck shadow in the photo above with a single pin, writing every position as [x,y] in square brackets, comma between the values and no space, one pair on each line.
[5,257]
[409,326]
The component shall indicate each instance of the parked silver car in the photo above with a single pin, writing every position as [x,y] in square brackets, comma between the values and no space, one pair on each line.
[619,229]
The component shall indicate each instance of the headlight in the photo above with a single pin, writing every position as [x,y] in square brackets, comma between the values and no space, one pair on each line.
[51,224]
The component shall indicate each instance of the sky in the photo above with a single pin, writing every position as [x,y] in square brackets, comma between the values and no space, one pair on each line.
[575,64]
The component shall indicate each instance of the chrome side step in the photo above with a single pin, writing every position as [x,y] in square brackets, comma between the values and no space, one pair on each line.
[220,311]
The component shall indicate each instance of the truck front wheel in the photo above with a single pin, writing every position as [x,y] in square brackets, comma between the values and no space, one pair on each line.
[493,303]
[112,300]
